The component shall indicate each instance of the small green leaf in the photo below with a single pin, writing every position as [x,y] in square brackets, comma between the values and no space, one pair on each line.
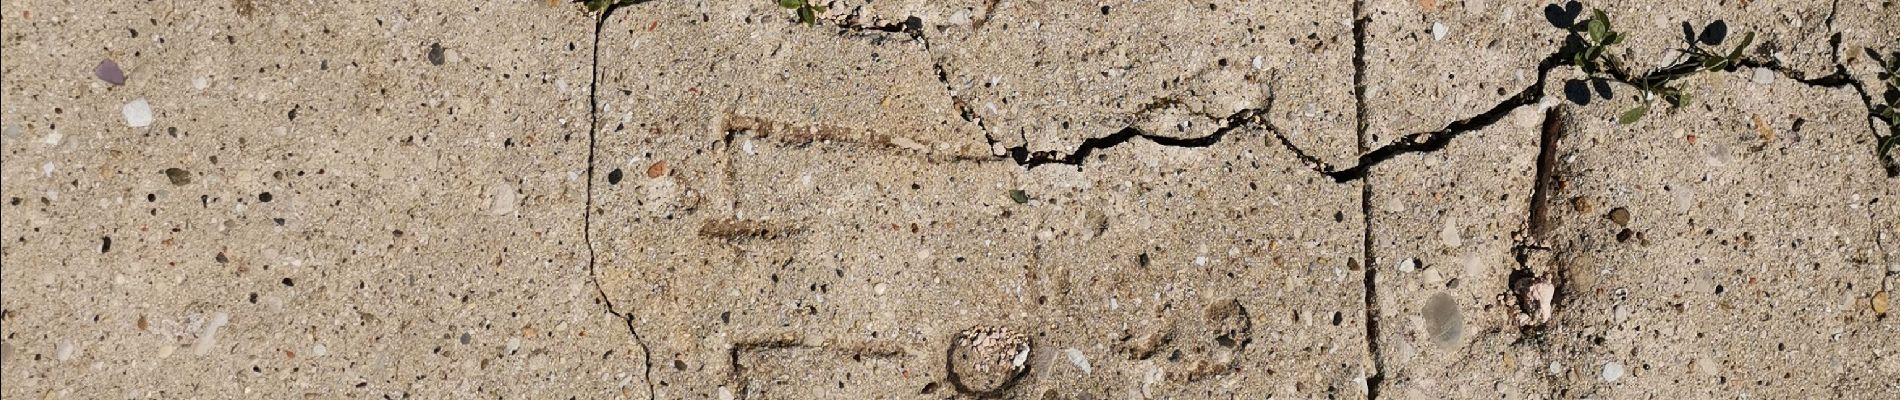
[1018,196]
[1597,14]
[805,15]
[818,8]
[792,4]
[1712,63]
[1633,115]
[1735,56]
[595,6]
[1598,29]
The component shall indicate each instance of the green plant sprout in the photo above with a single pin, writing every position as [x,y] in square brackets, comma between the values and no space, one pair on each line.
[599,7]
[1887,111]
[807,12]
[1594,58]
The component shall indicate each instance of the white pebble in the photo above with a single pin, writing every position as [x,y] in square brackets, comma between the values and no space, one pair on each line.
[64,350]
[1449,234]
[1439,30]
[504,199]
[138,113]
[1259,62]
[1081,361]
[960,18]
[208,338]
[1612,371]
[514,343]
[1408,265]
[1764,76]
[1200,261]
[200,83]
[53,139]
[319,350]
[48,168]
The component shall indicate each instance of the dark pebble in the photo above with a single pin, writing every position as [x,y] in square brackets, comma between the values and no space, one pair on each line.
[178,176]
[435,54]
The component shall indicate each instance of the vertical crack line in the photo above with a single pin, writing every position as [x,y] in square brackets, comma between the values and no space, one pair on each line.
[1554,124]
[587,214]
[1360,124]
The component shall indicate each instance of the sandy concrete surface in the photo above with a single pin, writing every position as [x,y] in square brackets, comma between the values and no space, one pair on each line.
[1411,199]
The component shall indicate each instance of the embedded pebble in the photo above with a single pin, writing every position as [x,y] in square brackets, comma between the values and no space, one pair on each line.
[1620,215]
[1443,322]
[1439,30]
[1080,361]
[200,83]
[657,169]
[1408,265]
[1612,371]
[1880,303]
[986,359]
[178,176]
[1764,76]
[208,338]
[109,71]
[138,113]
[64,350]
[1449,234]
[436,56]
[1717,155]
[504,199]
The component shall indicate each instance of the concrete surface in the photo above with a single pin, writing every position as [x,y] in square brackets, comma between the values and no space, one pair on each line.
[921,199]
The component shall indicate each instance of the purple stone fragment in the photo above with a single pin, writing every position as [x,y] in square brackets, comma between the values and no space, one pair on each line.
[109,71]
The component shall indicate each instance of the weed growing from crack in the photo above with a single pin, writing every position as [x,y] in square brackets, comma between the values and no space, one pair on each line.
[599,7]
[1887,111]
[1593,40]
[807,12]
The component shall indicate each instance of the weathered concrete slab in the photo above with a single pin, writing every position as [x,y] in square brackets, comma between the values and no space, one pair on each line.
[1653,297]
[1752,243]
[777,249]
[922,199]
[358,221]
[1444,226]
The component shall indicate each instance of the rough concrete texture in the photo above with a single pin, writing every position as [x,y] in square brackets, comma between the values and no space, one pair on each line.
[955,199]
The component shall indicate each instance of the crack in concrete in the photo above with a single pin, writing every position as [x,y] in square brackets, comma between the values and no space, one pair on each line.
[587,214]
[1426,142]
[1376,381]
[1423,142]
[1238,119]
